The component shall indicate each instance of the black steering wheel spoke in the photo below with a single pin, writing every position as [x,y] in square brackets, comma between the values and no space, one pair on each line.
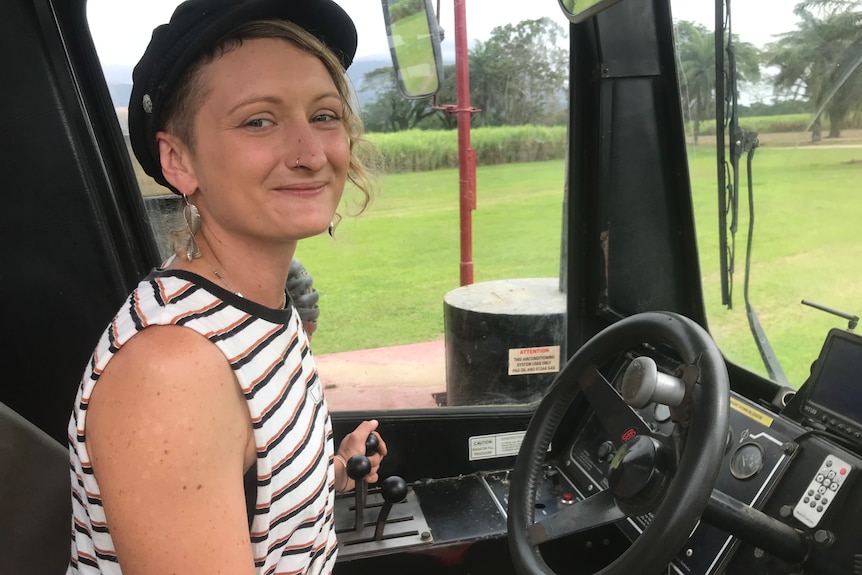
[595,511]
[618,418]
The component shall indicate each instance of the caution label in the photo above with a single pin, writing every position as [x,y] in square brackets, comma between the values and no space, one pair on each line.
[496,445]
[752,412]
[534,360]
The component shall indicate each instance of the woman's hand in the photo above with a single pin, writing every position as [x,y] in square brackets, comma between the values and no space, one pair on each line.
[354,444]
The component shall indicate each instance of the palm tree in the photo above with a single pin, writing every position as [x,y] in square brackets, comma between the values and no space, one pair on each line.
[821,60]
[695,46]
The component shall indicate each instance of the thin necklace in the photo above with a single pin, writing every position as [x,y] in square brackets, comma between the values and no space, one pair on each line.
[220,276]
[227,284]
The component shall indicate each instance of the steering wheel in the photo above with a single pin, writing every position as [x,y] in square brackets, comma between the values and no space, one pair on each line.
[650,472]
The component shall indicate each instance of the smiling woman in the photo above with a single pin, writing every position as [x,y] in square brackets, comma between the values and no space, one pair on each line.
[202,439]
[253,128]
[202,397]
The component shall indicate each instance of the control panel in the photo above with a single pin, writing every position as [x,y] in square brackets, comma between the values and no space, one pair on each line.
[758,451]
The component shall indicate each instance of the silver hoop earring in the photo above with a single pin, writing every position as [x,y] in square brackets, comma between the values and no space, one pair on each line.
[193,223]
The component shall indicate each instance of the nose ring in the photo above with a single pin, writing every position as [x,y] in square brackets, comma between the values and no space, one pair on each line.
[297,161]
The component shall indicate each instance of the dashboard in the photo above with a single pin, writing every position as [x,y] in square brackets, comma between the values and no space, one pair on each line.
[785,501]
[770,464]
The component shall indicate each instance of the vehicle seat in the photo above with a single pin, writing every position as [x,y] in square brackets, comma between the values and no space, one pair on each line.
[35,503]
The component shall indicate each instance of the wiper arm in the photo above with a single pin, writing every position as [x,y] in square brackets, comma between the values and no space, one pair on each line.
[767,354]
[741,142]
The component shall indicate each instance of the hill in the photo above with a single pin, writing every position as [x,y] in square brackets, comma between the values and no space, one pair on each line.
[119,79]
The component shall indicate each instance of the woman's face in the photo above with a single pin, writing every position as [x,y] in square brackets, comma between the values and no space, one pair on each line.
[266,105]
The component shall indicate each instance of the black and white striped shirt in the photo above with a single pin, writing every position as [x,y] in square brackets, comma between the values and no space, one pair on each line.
[292,528]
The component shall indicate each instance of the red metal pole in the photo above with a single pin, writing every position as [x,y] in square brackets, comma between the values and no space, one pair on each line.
[466,154]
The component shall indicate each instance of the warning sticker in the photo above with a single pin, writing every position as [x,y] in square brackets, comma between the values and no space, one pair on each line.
[496,445]
[534,360]
[751,412]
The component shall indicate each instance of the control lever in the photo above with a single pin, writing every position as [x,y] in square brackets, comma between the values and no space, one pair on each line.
[358,468]
[756,527]
[393,490]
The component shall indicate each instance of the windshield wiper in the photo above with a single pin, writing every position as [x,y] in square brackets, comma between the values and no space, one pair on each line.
[725,117]
[741,142]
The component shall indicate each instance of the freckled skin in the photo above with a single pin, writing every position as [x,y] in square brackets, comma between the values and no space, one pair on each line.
[160,502]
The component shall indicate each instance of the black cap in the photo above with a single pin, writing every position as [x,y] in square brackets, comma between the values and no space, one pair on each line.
[195,26]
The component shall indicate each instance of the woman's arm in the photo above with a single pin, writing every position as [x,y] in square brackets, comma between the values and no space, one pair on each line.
[169,436]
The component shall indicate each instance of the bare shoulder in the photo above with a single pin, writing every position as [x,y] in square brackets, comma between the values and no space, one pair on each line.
[165,380]
[167,429]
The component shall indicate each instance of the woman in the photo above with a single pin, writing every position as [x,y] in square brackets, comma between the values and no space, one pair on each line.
[205,373]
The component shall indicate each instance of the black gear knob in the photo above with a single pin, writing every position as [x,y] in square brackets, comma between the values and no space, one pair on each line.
[358,467]
[393,489]
[371,445]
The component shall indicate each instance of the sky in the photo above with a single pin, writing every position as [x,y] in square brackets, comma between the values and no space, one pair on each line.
[121,28]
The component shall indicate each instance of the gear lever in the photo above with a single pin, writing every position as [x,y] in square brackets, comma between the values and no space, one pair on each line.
[393,489]
[358,468]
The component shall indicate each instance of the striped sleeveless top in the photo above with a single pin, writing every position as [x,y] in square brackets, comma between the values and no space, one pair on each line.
[292,528]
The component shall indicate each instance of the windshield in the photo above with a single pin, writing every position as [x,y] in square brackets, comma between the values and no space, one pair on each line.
[396,329]
[789,195]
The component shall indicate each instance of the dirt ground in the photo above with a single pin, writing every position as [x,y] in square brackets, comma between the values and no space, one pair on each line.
[405,376]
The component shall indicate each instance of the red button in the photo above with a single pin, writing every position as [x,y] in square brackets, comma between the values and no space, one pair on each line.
[843,471]
[568,497]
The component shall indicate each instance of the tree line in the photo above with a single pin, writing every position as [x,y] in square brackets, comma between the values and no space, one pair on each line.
[519,75]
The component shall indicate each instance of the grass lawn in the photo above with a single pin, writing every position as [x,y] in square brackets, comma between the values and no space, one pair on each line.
[807,245]
[382,279]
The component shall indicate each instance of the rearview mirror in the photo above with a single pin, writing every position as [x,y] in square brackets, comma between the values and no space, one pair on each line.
[414,42]
[579,10]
